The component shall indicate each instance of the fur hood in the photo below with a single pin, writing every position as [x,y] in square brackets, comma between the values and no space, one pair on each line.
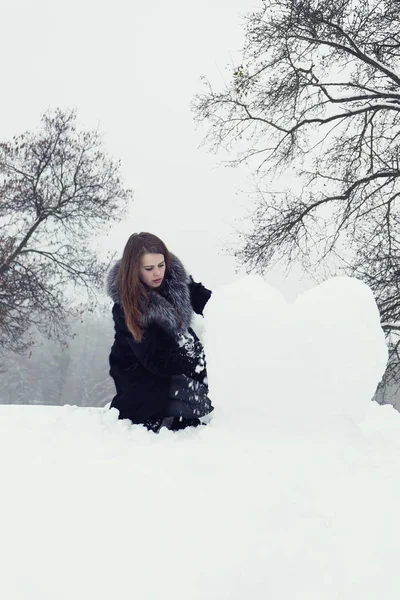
[175,293]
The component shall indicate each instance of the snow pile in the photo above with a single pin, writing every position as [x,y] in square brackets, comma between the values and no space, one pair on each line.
[281,507]
[316,359]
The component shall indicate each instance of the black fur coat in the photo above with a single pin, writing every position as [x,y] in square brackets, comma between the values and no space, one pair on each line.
[142,370]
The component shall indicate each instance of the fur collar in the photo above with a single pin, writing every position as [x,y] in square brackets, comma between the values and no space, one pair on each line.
[175,293]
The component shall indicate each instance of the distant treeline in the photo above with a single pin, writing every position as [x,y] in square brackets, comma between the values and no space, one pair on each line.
[52,374]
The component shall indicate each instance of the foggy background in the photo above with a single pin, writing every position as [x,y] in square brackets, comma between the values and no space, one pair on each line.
[130,70]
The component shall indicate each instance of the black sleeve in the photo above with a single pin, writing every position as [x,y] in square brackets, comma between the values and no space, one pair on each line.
[159,353]
[199,296]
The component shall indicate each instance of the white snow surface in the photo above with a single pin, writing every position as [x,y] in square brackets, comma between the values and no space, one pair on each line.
[291,492]
[269,360]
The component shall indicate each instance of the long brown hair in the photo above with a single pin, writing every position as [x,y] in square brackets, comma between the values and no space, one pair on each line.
[133,293]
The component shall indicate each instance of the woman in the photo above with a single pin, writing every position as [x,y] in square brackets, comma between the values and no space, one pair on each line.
[157,361]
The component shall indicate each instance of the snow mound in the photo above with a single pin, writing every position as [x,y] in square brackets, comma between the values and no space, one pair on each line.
[270,362]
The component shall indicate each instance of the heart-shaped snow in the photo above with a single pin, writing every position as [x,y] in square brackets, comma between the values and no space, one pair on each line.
[270,361]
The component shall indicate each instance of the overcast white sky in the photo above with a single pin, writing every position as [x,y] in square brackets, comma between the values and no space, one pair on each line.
[132,69]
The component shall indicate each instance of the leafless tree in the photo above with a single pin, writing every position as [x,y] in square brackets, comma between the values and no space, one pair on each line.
[58,190]
[318,91]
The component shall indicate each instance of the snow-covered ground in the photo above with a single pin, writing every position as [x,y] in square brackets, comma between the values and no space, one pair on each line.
[291,492]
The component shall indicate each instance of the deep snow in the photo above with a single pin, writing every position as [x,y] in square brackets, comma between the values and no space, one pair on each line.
[291,492]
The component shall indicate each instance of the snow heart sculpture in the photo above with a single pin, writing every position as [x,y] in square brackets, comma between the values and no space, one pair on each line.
[272,362]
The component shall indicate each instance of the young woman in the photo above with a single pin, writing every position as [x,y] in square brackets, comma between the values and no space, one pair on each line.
[157,361]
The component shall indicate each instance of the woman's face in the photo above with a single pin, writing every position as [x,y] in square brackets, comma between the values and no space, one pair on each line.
[152,269]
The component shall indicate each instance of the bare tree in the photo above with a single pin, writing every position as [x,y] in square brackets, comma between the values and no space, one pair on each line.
[319,90]
[58,190]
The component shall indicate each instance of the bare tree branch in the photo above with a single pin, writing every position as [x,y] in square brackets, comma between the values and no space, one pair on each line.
[318,89]
[58,189]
